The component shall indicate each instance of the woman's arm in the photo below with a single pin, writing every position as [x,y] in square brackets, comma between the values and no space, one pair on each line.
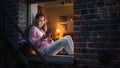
[33,36]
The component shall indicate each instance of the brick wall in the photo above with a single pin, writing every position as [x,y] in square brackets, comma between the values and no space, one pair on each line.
[11,7]
[97,28]
[22,15]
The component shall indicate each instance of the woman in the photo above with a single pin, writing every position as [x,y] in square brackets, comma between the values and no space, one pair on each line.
[37,37]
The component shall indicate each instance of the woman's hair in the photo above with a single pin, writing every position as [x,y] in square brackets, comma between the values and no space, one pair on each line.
[35,23]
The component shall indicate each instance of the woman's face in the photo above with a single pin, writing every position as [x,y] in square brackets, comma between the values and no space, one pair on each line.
[41,21]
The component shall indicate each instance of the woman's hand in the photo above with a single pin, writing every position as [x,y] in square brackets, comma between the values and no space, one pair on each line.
[43,37]
[50,40]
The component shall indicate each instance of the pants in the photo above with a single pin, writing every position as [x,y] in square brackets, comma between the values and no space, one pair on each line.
[65,42]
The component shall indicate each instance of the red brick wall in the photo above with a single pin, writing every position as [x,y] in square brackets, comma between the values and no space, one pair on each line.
[96,27]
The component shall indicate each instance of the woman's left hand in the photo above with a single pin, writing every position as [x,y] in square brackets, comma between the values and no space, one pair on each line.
[43,37]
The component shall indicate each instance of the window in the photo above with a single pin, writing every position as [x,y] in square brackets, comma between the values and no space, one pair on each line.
[57,15]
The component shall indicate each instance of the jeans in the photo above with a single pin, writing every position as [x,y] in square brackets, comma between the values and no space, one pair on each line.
[65,42]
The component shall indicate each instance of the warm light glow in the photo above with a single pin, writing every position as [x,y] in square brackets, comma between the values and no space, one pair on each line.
[33,52]
[58,30]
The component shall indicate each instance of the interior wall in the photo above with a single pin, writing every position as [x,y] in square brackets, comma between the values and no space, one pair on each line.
[53,16]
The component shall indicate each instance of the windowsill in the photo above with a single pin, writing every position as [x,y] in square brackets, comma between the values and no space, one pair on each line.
[59,59]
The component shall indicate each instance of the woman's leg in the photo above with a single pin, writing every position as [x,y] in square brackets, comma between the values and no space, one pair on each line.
[68,47]
[69,39]
[58,45]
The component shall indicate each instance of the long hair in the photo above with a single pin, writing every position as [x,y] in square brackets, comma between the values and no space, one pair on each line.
[35,23]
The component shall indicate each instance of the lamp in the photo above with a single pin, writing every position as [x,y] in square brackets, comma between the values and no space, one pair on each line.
[58,33]
[58,30]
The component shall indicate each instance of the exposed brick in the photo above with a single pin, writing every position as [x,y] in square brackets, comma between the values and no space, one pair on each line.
[105,15]
[78,17]
[91,16]
[86,28]
[111,3]
[76,28]
[114,39]
[77,50]
[22,22]
[77,2]
[22,14]
[80,44]
[114,21]
[91,56]
[82,6]
[77,39]
[114,15]
[113,45]
[78,55]
[109,33]
[92,11]
[114,9]
[76,33]
[115,51]
[85,50]
[77,23]
[84,11]
[100,4]
[76,6]
[91,5]
[99,29]
[77,11]
[95,27]
[91,45]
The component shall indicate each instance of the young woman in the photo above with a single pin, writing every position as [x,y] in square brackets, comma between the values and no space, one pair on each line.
[37,36]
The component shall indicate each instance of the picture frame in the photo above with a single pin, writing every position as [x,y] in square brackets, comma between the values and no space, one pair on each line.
[63,26]
[63,18]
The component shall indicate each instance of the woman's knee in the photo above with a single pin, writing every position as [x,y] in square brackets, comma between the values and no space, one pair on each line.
[68,36]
